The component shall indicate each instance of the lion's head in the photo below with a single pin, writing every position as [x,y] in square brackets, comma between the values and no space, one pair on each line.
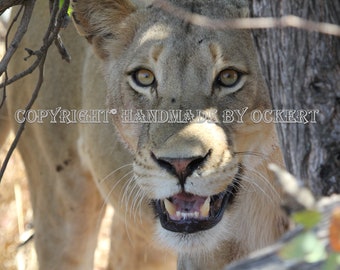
[206,179]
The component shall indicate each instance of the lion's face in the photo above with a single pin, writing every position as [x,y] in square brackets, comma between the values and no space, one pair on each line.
[190,171]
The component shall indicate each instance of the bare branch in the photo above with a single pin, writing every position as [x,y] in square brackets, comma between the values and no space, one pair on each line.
[29,6]
[62,50]
[298,196]
[6,46]
[3,98]
[22,74]
[248,23]
[5,4]
[50,35]
[22,126]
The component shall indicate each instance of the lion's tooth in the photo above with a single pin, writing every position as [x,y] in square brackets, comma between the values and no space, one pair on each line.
[204,211]
[170,207]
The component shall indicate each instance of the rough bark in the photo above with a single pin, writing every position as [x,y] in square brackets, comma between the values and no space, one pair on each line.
[302,70]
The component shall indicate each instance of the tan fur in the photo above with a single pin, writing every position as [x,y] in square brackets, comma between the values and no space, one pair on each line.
[68,164]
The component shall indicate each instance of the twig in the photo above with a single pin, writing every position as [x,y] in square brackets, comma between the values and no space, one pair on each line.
[50,35]
[22,74]
[62,50]
[298,197]
[3,98]
[22,126]
[5,4]
[248,23]
[29,6]
[6,47]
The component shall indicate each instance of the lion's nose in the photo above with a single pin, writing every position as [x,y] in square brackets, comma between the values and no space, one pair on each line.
[181,167]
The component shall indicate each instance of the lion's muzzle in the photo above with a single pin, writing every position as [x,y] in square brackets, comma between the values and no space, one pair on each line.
[189,213]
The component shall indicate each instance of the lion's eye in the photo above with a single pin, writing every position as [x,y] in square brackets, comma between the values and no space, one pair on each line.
[228,77]
[143,77]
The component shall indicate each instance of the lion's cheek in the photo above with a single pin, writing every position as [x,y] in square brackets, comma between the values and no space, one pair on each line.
[128,132]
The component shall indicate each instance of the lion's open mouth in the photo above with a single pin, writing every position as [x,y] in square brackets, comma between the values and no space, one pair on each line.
[189,213]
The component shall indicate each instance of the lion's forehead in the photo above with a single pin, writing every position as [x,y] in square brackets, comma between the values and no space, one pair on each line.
[175,44]
[202,49]
[212,8]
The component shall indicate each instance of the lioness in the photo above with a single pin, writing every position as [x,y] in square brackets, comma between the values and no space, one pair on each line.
[197,186]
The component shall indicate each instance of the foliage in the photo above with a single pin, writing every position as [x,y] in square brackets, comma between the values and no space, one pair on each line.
[69,10]
[308,246]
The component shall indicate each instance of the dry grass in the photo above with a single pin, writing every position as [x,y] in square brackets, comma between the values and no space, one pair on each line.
[16,219]
[15,211]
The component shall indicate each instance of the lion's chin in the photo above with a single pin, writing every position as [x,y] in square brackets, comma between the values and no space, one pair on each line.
[188,213]
[195,244]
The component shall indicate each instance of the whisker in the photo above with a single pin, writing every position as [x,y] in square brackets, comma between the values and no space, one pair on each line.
[137,196]
[132,243]
[137,204]
[126,188]
[125,199]
[142,195]
[111,173]
[256,185]
[106,199]
[258,175]
[130,190]
[265,179]
[248,179]
[253,153]
[262,178]
[116,184]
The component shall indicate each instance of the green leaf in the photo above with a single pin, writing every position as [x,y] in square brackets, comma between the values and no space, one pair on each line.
[305,247]
[307,218]
[61,3]
[69,10]
[332,262]
[317,254]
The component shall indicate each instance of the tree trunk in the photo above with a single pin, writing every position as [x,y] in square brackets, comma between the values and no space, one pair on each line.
[302,70]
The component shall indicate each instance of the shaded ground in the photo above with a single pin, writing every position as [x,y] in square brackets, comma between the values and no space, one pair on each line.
[16,219]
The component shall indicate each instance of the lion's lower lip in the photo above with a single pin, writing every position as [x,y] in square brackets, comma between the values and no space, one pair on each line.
[196,218]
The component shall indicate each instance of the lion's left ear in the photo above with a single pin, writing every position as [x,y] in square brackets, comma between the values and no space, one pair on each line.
[99,20]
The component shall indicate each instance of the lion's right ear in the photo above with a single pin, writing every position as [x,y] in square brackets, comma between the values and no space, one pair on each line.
[99,20]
